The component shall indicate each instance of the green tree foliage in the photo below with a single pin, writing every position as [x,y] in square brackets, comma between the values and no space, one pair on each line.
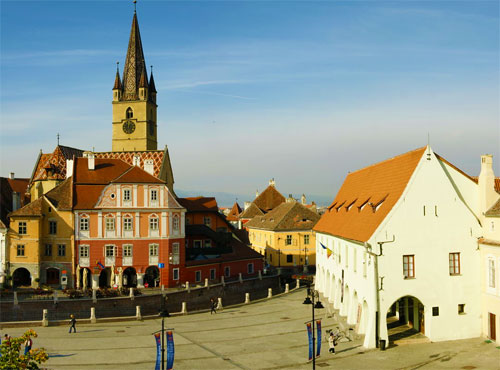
[12,357]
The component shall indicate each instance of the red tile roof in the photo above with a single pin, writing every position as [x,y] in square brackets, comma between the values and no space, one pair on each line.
[251,212]
[269,199]
[86,196]
[19,185]
[106,170]
[287,216]
[137,175]
[199,204]
[352,214]
[234,214]
[31,209]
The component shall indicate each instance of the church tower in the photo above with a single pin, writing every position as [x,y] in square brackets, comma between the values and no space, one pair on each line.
[134,101]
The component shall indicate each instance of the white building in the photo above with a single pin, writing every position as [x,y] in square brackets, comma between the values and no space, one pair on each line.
[3,252]
[402,236]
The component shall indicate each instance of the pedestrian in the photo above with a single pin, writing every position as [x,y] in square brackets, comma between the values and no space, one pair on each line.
[331,343]
[73,323]
[28,343]
[6,339]
[213,306]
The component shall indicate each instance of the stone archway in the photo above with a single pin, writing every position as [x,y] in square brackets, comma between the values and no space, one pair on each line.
[104,278]
[152,276]
[406,319]
[52,276]
[21,277]
[129,278]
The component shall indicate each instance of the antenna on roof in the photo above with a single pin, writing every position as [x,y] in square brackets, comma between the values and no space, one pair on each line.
[58,139]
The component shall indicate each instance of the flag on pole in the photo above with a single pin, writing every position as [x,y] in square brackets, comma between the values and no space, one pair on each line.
[170,350]
[100,265]
[318,327]
[309,334]
[323,245]
[158,351]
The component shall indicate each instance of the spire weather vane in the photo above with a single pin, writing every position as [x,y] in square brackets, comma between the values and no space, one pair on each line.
[135,6]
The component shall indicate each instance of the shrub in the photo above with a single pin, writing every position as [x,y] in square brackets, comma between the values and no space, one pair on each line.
[12,357]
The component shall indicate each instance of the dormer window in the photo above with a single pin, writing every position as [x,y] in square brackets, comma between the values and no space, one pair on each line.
[348,207]
[360,208]
[130,113]
[339,206]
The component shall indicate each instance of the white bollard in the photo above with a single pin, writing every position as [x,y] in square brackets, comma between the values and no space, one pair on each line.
[15,298]
[94,295]
[163,290]
[260,275]
[131,293]
[184,308]
[287,288]
[297,284]
[241,277]
[93,319]
[187,286]
[222,281]
[270,293]
[247,298]
[45,319]
[219,304]
[138,315]
[206,282]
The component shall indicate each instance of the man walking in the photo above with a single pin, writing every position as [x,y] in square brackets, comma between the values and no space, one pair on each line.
[28,343]
[73,323]
[213,306]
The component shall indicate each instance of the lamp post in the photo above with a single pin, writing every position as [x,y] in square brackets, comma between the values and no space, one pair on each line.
[163,313]
[312,295]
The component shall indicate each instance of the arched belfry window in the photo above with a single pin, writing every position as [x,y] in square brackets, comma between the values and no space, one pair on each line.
[130,113]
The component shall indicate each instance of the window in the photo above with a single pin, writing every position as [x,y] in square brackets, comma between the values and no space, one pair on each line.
[110,251]
[61,250]
[289,258]
[110,224]
[197,243]
[208,243]
[409,266]
[84,251]
[175,273]
[153,223]
[154,195]
[227,271]
[52,227]
[212,274]
[288,240]
[23,229]
[126,195]
[127,224]
[153,249]
[207,221]
[435,311]
[50,209]
[84,224]
[130,113]
[491,273]
[306,239]
[175,223]
[197,277]
[48,250]
[250,268]
[461,309]
[127,250]
[175,248]
[20,250]
[454,263]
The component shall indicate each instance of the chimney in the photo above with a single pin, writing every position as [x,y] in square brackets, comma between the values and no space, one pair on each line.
[149,166]
[136,161]
[487,194]
[272,182]
[303,199]
[256,193]
[290,198]
[11,175]
[247,204]
[69,168]
[91,161]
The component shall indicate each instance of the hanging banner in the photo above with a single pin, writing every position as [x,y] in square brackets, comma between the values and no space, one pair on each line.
[309,334]
[158,351]
[170,350]
[318,328]
[100,265]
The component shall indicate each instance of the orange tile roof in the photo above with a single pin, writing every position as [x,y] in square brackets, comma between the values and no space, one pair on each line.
[199,204]
[269,199]
[352,215]
[19,185]
[31,209]
[53,165]
[234,214]
[128,157]
[250,212]
[86,196]
[106,170]
[137,175]
[61,195]
[287,216]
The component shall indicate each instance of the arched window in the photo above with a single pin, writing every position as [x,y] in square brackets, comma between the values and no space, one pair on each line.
[130,113]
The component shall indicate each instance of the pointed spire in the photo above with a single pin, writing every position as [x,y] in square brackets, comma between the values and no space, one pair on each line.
[144,79]
[118,80]
[134,63]
[152,87]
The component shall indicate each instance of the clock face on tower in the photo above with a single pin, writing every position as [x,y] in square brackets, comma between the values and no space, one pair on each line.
[128,127]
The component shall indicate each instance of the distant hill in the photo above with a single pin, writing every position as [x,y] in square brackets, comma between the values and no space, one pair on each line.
[228,199]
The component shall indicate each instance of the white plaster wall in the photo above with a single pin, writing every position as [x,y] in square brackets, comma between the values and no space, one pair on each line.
[3,254]
[453,228]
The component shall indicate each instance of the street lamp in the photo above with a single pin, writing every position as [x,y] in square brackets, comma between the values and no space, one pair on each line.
[313,295]
[163,313]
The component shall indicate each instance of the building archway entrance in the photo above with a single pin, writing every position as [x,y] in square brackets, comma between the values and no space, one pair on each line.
[406,319]
[21,277]
[52,276]
[104,278]
[152,277]
[129,278]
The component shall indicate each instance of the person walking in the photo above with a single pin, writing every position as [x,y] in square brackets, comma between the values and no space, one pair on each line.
[28,343]
[331,343]
[73,323]
[213,306]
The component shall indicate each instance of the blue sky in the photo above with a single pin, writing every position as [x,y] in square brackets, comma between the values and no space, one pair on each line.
[302,91]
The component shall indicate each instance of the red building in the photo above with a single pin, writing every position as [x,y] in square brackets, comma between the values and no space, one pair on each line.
[129,228]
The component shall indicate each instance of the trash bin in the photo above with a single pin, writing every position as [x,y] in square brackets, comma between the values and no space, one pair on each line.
[382,344]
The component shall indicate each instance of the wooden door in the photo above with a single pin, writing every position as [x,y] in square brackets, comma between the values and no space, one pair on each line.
[52,276]
[493,329]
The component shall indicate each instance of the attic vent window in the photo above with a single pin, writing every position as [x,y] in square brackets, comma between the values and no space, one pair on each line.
[112,195]
[348,207]
[339,207]
[360,208]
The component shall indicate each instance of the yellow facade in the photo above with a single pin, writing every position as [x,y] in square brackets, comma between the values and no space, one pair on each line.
[40,187]
[144,135]
[284,248]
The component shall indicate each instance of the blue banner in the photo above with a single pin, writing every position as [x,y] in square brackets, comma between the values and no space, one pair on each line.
[309,334]
[158,351]
[318,347]
[170,350]
[100,265]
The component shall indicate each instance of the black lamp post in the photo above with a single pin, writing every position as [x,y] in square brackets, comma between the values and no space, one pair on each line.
[312,295]
[163,313]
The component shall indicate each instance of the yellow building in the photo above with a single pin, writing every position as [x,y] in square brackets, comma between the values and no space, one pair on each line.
[41,240]
[284,235]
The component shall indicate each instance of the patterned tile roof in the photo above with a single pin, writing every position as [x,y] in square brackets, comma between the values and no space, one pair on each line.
[128,157]
[287,216]
[367,196]
[53,165]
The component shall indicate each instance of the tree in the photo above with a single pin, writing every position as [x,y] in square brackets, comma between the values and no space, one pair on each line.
[12,358]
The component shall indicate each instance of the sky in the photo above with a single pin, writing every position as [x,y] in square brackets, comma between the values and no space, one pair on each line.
[300,91]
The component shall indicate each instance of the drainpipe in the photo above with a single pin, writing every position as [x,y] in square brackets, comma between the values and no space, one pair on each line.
[376,278]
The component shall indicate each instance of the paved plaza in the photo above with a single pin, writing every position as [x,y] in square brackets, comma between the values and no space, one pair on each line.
[266,335]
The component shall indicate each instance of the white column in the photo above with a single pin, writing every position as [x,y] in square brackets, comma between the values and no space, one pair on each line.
[137,225]
[99,224]
[162,196]
[138,315]
[134,196]
[118,197]
[163,226]
[140,280]
[95,281]
[118,224]
[247,297]
[183,224]
[146,191]
[170,224]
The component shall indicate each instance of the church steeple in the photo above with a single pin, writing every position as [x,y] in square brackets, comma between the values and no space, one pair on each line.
[134,63]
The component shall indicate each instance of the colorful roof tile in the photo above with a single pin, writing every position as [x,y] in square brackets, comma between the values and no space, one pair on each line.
[53,165]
